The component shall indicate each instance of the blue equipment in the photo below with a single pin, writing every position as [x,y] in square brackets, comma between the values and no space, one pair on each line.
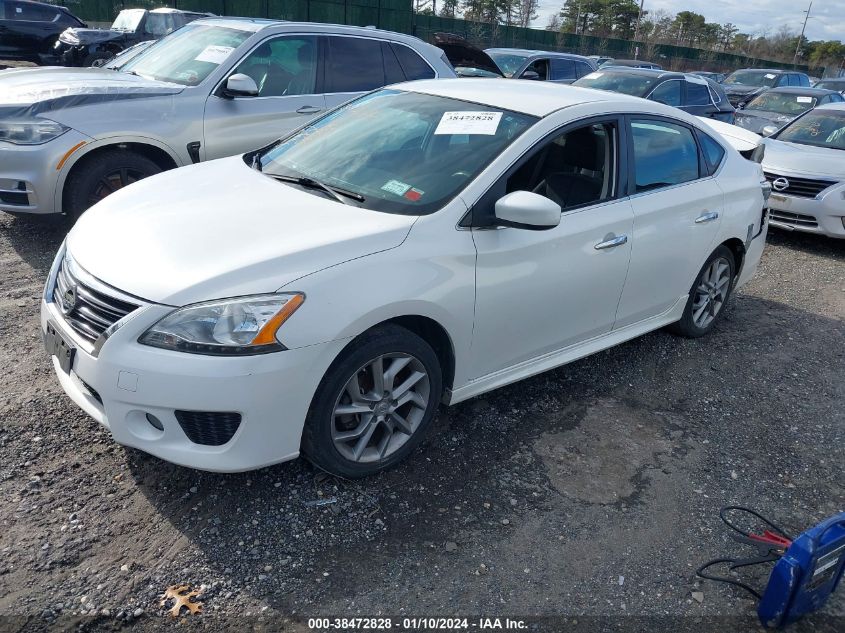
[807,569]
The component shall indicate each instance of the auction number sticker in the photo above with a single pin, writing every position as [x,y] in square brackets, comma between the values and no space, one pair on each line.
[804,99]
[469,122]
[214,54]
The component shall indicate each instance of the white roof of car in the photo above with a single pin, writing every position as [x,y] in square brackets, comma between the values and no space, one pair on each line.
[537,98]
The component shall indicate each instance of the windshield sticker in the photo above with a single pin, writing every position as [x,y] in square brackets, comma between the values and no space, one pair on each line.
[395,187]
[769,76]
[805,99]
[214,54]
[414,194]
[469,123]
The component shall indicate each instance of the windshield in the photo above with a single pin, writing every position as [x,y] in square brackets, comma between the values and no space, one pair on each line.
[403,152]
[782,103]
[508,62]
[757,78]
[626,83]
[189,55]
[820,128]
[128,20]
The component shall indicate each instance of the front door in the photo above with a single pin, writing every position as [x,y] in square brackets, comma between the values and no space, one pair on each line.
[285,70]
[540,291]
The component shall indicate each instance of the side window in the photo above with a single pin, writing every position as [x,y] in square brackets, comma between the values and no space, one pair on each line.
[803,80]
[697,94]
[665,154]
[284,66]
[713,152]
[669,92]
[785,80]
[582,69]
[573,169]
[562,68]
[392,70]
[353,64]
[414,66]
[541,67]
[159,24]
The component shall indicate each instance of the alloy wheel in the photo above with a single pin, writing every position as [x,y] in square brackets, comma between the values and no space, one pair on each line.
[114,180]
[711,292]
[380,407]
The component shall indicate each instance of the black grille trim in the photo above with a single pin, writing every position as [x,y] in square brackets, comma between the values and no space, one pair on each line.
[801,187]
[15,198]
[209,428]
[94,312]
[793,219]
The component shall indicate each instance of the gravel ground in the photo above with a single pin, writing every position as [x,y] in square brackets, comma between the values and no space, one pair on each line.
[589,492]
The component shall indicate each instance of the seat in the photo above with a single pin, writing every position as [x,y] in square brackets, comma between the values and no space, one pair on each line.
[574,172]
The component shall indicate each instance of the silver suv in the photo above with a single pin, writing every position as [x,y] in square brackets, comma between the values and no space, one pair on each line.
[214,88]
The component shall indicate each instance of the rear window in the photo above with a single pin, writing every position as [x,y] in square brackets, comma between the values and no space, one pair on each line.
[354,64]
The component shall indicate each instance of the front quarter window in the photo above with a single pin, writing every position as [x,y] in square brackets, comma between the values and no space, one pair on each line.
[397,152]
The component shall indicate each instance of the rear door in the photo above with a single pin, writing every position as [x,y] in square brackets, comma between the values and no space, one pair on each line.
[285,69]
[697,99]
[562,70]
[355,65]
[677,212]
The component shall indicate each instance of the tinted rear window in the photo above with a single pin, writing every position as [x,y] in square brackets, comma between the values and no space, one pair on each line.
[353,64]
[697,94]
[414,66]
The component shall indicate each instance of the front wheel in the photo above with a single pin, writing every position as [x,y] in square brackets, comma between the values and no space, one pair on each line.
[374,405]
[708,295]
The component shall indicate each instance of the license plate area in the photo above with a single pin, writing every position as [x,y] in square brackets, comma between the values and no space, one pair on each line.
[58,347]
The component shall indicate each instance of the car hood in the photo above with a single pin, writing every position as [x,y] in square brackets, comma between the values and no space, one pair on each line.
[462,54]
[803,159]
[32,91]
[756,120]
[90,36]
[740,89]
[221,229]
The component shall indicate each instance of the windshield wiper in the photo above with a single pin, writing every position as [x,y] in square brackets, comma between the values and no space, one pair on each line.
[311,183]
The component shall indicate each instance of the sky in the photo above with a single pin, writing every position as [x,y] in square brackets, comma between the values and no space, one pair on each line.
[827,17]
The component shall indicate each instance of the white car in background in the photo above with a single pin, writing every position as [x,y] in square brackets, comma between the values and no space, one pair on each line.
[805,164]
[427,242]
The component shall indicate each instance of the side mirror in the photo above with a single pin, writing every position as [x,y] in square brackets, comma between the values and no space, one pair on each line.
[530,74]
[240,85]
[769,130]
[526,210]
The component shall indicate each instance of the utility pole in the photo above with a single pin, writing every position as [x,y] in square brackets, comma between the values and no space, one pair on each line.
[639,17]
[801,37]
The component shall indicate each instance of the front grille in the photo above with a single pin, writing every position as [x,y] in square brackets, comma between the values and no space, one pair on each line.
[801,187]
[793,219]
[210,428]
[88,311]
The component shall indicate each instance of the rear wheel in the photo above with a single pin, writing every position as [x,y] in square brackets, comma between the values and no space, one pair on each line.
[374,404]
[708,295]
[103,174]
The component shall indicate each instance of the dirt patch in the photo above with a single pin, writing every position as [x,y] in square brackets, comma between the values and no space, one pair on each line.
[600,460]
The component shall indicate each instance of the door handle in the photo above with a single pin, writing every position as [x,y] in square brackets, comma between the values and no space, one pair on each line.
[612,242]
[308,110]
[709,216]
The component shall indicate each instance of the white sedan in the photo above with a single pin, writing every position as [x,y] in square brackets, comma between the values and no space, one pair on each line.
[427,242]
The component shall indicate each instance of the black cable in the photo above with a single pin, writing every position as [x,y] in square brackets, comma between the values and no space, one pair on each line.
[772,525]
[700,572]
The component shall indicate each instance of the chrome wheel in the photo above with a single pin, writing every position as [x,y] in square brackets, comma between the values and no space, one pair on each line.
[711,292]
[380,407]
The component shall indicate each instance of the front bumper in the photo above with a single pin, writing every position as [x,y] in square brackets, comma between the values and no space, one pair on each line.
[29,174]
[822,215]
[123,382]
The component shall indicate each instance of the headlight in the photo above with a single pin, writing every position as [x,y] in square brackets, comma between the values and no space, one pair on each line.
[30,131]
[231,327]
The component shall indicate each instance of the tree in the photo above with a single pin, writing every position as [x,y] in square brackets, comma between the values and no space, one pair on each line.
[449,9]
[526,11]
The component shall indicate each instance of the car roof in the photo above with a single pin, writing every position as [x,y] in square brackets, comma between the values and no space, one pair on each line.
[645,72]
[534,53]
[803,90]
[778,71]
[537,98]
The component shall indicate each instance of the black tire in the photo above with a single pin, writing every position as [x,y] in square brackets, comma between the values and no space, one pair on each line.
[96,58]
[687,326]
[318,445]
[103,173]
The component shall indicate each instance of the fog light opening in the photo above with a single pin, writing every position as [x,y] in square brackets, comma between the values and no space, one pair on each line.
[154,422]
